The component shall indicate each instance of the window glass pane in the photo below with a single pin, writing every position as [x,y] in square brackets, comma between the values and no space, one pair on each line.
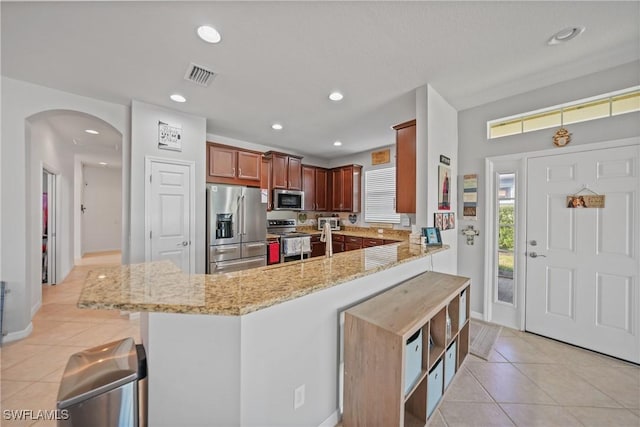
[584,112]
[506,237]
[625,103]
[505,129]
[541,121]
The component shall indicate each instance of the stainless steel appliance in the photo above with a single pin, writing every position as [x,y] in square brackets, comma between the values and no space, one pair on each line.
[293,245]
[236,228]
[334,223]
[105,386]
[288,200]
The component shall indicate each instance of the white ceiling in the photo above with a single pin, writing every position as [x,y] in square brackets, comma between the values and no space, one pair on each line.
[279,60]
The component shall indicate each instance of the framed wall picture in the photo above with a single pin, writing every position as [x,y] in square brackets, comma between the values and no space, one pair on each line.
[437,220]
[169,136]
[444,187]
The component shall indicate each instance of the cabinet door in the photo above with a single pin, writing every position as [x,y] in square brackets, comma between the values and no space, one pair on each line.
[279,165]
[351,246]
[309,187]
[337,247]
[336,190]
[321,189]
[249,165]
[294,173]
[222,162]
[406,169]
[265,180]
[318,249]
[347,188]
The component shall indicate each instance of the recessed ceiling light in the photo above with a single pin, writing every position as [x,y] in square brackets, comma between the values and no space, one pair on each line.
[565,35]
[336,96]
[178,98]
[91,131]
[337,143]
[103,164]
[276,126]
[209,34]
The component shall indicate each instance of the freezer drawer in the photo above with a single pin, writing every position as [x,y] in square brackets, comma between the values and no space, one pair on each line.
[254,249]
[224,252]
[236,265]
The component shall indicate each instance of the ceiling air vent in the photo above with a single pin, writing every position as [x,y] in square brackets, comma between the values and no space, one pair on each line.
[199,75]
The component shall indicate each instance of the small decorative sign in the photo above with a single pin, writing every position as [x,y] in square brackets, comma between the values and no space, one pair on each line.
[595,201]
[381,157]
[169,137]
[470,197]
[445,160]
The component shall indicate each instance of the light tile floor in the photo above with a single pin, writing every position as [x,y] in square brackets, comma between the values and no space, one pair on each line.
[528,380]
[31,369]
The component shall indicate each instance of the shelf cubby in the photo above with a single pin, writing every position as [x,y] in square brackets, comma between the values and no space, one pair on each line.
[375,350]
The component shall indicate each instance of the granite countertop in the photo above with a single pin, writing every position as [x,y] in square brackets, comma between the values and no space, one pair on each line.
[387,234]
[162,287]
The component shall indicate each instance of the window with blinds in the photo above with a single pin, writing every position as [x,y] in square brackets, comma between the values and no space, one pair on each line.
[380,195]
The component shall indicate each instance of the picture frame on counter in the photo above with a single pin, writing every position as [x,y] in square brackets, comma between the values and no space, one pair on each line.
[432,236]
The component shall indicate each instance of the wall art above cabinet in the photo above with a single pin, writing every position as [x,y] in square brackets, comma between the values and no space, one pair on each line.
[231,165]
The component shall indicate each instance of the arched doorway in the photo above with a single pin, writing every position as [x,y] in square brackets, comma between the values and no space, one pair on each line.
[65,149]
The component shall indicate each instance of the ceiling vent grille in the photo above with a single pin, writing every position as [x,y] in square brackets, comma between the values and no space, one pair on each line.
[199,75]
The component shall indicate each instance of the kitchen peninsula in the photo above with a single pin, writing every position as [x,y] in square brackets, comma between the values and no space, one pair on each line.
[232,349]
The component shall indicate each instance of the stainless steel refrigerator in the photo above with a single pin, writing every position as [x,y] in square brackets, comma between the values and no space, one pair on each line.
[236,228]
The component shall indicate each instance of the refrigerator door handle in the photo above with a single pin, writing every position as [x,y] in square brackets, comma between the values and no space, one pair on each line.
[244,216]
[238,216]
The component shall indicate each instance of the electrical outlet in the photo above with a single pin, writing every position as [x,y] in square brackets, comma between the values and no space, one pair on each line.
[298,397]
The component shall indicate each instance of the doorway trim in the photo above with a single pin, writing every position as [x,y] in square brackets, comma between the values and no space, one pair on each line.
[54,209]
[148,162]
[521,222]
[517,164]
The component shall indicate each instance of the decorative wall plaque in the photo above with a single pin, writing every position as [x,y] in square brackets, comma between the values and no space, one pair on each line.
[381,157]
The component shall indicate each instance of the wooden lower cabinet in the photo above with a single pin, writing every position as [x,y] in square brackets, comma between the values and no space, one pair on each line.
[402,349]
[369,243]
[317,247]
[337,243]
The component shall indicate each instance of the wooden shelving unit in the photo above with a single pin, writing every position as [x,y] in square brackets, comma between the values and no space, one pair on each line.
[375,351]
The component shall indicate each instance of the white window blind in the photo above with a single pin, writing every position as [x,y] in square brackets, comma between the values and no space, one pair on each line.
[379,197]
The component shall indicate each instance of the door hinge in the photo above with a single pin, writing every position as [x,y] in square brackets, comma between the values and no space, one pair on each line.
[150,178]
[151,234]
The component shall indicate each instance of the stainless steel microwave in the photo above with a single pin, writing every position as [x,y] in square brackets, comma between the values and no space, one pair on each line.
[288,200]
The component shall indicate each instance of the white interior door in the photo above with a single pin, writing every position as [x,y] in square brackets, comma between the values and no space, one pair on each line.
[170,213]
[582,264]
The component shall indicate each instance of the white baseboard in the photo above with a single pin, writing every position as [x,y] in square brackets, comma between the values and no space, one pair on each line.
[18,335]
[35,308]
[332,421]
[476,315]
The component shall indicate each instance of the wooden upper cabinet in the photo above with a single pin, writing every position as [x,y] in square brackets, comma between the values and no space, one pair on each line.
[221,161]
[309,187]
[314,185]
[406,167]
[346,184]
[321,190]
[294,170]
[230,165]
[265,181]
[249,165]
[279,165]
[286,170]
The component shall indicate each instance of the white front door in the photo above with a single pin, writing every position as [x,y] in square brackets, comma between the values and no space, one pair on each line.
[170,213]
[583,264]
